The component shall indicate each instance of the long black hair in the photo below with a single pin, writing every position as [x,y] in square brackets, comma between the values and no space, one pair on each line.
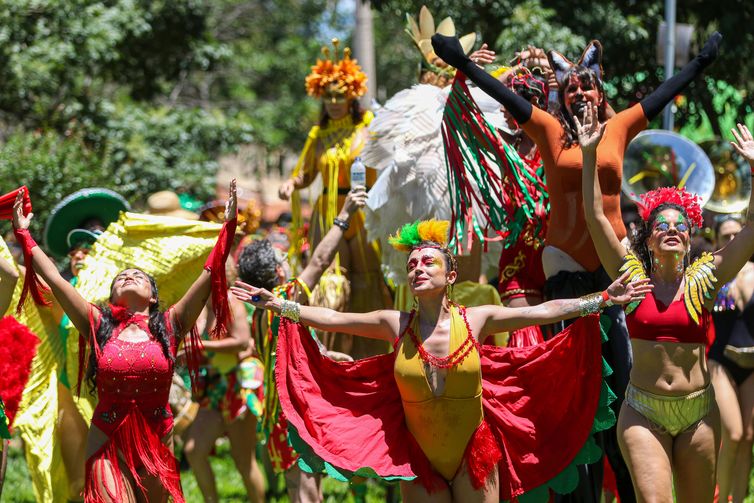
[107,324]
[639,238]
[587,76]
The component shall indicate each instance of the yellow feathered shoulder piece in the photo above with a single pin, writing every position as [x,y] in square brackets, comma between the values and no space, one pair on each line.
[636,272]
[411,235]
[700,283]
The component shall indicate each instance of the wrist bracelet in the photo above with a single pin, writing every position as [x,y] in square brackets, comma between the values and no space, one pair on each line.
[341,223]
[291,310]
[590,304]
[606,298]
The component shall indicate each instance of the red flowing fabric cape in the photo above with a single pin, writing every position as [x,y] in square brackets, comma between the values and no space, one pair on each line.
[539,402]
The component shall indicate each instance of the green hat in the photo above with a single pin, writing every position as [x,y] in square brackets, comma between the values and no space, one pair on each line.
[64,226]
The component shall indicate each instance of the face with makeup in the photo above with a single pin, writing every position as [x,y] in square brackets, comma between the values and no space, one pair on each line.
[336,106]
[580,90]
[428,272]
[132,287]
[671,233]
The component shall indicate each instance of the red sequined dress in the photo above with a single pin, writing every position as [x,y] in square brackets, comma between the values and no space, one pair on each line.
[133,383]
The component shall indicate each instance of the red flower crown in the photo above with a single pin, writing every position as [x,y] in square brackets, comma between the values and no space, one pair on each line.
[672,195]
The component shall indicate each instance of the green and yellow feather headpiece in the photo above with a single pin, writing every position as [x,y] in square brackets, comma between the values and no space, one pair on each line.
[412,235]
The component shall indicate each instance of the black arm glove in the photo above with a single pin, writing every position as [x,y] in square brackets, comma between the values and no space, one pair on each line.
[450,50]
[655,102]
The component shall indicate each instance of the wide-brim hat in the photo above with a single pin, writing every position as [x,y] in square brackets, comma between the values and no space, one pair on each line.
[166,203]
[75,209]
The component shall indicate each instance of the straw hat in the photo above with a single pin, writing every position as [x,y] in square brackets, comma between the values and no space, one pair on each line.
[167,204]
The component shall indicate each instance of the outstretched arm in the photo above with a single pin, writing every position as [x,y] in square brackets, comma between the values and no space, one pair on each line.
[656,101]
[450,50]
[187,310]
[383,325]
[606,242]
[327,248]
[739,250]
[497,319]
[74,305]
[8,280]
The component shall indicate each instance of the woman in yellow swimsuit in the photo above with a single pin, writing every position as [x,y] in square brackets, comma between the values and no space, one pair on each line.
[435,409]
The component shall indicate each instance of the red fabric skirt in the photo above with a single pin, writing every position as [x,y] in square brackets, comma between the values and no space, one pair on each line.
[539,407]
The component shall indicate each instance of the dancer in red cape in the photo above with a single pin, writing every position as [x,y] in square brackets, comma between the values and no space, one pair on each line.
[132,353]
[470,423]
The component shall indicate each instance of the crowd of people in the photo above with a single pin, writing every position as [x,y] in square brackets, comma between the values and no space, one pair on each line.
[469,319]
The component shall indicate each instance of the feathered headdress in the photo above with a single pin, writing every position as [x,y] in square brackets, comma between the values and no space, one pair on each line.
[411,235]
[421,33]
[336,77]
[672,195]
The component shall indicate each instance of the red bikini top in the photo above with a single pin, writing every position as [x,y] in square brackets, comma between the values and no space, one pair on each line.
[653,321]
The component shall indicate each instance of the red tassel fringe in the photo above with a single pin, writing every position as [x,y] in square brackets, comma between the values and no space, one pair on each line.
[482,456]
[31,281]
[18,346]
[215,264]
[139,446]
[7,200]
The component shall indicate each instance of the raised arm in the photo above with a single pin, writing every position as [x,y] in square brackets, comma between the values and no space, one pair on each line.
[325,251]
[8,280]
[656,101]
[383,325]
[496,319]
[74,305]
[739,250]
[187,310]
[606,242]
[450,50]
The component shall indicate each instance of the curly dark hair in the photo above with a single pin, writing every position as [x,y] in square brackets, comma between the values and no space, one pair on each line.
[257,264]
[586,76]
[639,238]
[357,113]
[451,264]
[157,327]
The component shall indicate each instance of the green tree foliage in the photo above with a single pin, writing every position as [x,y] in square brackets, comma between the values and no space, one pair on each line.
[628,32]
[87,98]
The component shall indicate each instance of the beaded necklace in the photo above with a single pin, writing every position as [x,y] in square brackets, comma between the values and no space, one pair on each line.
[453,359]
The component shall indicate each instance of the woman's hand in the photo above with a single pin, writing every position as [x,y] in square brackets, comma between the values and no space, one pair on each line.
[621,293]
[258,297]
[286,189]
[355,200]
[744,143]
[483,56]
[19,220]
[231,206]
[590,131]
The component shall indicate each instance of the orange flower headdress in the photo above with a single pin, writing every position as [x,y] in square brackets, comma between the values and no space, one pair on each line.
[334,77]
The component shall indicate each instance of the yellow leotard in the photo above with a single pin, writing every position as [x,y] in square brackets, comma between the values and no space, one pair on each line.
[442,425]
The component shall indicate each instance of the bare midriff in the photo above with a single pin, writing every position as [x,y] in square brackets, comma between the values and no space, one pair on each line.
[669,368]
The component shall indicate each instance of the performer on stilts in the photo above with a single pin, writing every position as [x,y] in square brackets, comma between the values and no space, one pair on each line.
[331,148]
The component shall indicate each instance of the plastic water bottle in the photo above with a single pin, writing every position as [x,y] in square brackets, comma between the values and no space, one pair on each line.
[358,173]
